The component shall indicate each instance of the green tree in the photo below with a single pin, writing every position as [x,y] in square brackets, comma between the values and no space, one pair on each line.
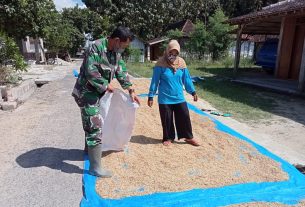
[87,21]
[233,8]
[198,41]
[199,10]
[84,21]
[132,53]
[218,35]
[21,18]
[60,35]
[174,34]
[148,18]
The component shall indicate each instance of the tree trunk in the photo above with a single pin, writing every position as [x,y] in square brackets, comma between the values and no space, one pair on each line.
[69,57]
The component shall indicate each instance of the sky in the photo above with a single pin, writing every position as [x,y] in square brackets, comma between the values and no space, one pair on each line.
[68,3]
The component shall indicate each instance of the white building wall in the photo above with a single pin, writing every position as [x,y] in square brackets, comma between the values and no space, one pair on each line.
[247,50]
[136,43]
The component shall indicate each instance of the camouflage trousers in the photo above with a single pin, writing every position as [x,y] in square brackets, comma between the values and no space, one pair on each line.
[92,124]
[89,104]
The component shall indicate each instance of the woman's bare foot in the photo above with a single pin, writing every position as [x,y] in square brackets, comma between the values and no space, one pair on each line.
[193,142]
[167,143]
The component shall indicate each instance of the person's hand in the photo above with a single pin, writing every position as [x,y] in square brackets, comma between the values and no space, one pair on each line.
[195,97]
[134,97]
[110,88]
[150,103]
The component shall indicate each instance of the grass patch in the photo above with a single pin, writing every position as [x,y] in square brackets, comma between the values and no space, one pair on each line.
[140,69]
[244,103]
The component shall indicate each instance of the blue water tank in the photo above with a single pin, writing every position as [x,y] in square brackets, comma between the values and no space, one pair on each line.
[267,54]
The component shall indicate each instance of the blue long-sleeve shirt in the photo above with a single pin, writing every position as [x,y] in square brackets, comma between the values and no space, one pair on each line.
[170,85]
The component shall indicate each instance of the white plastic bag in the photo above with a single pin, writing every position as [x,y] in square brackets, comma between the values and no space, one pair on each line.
[118,117]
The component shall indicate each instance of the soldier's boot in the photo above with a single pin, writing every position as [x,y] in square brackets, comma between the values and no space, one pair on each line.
[96,169]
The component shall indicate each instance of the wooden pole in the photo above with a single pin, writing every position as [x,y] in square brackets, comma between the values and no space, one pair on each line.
[301,85]
[148,52]
[285,48]
[238,49]
[279,48]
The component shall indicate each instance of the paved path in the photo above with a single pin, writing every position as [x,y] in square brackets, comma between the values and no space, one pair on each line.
[40,150]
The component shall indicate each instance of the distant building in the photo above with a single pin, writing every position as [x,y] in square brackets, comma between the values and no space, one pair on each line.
[140,45]
[28,48]
[155,46]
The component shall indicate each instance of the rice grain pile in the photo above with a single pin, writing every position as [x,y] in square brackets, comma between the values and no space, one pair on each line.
[147,167]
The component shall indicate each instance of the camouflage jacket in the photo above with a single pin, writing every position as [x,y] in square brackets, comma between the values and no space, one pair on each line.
[97,71]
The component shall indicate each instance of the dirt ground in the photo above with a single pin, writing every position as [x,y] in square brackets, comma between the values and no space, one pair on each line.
[286,129]
[147,166]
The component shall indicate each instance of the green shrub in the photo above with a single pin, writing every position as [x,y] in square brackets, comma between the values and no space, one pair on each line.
[136,54]
[11,61]
[8,75]
[228,62]
[246,62]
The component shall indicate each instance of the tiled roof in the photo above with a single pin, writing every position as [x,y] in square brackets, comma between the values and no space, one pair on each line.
[281,8]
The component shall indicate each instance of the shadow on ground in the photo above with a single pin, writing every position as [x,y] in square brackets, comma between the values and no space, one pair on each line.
[53,158]
[140,139]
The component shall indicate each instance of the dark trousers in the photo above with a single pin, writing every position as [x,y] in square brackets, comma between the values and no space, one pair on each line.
[179,112]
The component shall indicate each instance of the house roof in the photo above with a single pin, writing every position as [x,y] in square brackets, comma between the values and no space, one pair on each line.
[185,26]
[282,8]
[268,21]
[157,40]
[177,25]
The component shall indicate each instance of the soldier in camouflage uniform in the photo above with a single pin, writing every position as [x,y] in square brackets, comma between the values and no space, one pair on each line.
[101,63]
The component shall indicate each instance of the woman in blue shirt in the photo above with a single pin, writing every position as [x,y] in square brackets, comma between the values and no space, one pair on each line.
[169,76]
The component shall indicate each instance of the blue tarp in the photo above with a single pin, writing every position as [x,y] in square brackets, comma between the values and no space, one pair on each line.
[75,73]
[287,192]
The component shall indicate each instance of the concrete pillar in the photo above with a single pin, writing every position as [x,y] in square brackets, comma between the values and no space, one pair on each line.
[37,50]
[26,46]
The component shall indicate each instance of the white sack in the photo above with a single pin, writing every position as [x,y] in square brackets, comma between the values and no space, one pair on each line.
[118,117]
